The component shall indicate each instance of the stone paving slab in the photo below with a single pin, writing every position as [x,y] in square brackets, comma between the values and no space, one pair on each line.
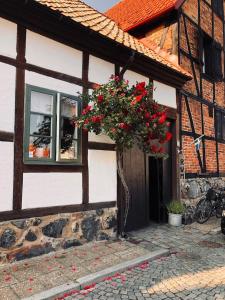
[29,277]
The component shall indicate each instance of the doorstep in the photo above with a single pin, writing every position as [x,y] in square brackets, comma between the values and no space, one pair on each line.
[64,270]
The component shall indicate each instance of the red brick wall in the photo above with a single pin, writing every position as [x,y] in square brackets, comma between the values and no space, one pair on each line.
[190,8]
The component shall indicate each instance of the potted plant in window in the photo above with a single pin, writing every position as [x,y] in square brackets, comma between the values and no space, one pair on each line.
[175,211]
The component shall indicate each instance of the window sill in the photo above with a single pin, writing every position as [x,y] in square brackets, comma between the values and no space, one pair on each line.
[52,163]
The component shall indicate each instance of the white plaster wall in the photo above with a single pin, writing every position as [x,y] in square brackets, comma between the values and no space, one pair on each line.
[6,175]
[134,77]
[100,70]
[51,83]
[7,97]
[8,34]
[164,94]
[100,138]
[51,189]
[47,53]
[102,176]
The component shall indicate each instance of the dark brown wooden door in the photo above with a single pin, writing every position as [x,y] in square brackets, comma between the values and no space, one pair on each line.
[152,184]
[134,164]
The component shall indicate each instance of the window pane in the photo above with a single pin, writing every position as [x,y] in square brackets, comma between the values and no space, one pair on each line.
[218,124]
[40,147]
[223,126]
[68,132]
[40,125]
[69,107]
[69,152]
[41,103]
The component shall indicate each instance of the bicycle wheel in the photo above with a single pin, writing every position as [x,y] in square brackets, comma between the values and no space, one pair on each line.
[219,210]
[203,211]
[219,207]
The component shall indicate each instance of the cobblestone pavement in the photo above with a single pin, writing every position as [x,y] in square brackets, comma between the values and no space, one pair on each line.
[194,270]
[32,276]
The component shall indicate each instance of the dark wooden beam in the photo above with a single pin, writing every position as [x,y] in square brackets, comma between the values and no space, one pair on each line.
[194,133]
[85,177]
[200,91]
[190,134]
[46,211]
[197,98]
[190,53]
[62,168]
[189,56]
[6,136]
[101,146]
[19,120]
[214,101]
[54,74]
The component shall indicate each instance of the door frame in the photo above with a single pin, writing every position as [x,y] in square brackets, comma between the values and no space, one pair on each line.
[172,116]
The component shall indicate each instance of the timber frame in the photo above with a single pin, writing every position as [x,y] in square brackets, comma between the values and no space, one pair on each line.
[33,16]
[185,94]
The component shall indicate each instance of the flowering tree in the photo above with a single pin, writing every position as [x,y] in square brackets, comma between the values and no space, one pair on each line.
[128,115]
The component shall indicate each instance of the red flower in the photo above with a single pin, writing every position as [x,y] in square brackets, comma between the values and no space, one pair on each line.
[96,119]
[144,93]
[86,110]
[153,116]
[113,130]
[162,119]
[147,124]
[134,102]
[168,136]
[140,87]
[124,126]
[139,98]
[154,149]
[147,115]
[161,150]
[100,98]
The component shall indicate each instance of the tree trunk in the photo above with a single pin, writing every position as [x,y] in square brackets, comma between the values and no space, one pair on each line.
[125,188]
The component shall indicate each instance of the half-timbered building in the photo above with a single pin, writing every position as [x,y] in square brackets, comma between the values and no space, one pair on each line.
[58,185]
[192,31]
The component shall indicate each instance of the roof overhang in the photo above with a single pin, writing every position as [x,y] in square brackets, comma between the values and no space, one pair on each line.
[43,20]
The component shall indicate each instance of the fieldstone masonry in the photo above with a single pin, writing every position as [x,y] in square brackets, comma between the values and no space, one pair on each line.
[193,189]
[20,239]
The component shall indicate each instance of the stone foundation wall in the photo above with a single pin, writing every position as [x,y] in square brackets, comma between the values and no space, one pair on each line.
[193,189]
[20,239]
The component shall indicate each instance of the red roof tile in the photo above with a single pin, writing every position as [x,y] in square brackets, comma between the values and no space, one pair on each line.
[80,12]
[129,14]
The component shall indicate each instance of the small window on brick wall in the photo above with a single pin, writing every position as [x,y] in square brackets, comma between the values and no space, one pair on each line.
[220,125]
[211,58]
[50,136]
[218,7]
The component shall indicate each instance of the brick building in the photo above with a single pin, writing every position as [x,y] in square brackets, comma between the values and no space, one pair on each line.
[192,31]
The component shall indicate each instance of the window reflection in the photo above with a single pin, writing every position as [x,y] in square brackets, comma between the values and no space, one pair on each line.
[68,132]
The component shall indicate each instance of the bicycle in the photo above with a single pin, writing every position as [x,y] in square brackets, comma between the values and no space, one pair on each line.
[213,201]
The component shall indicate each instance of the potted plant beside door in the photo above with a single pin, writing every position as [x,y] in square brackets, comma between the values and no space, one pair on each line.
[175,210]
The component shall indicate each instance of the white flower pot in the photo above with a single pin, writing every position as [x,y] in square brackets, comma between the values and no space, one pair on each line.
[175,219]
